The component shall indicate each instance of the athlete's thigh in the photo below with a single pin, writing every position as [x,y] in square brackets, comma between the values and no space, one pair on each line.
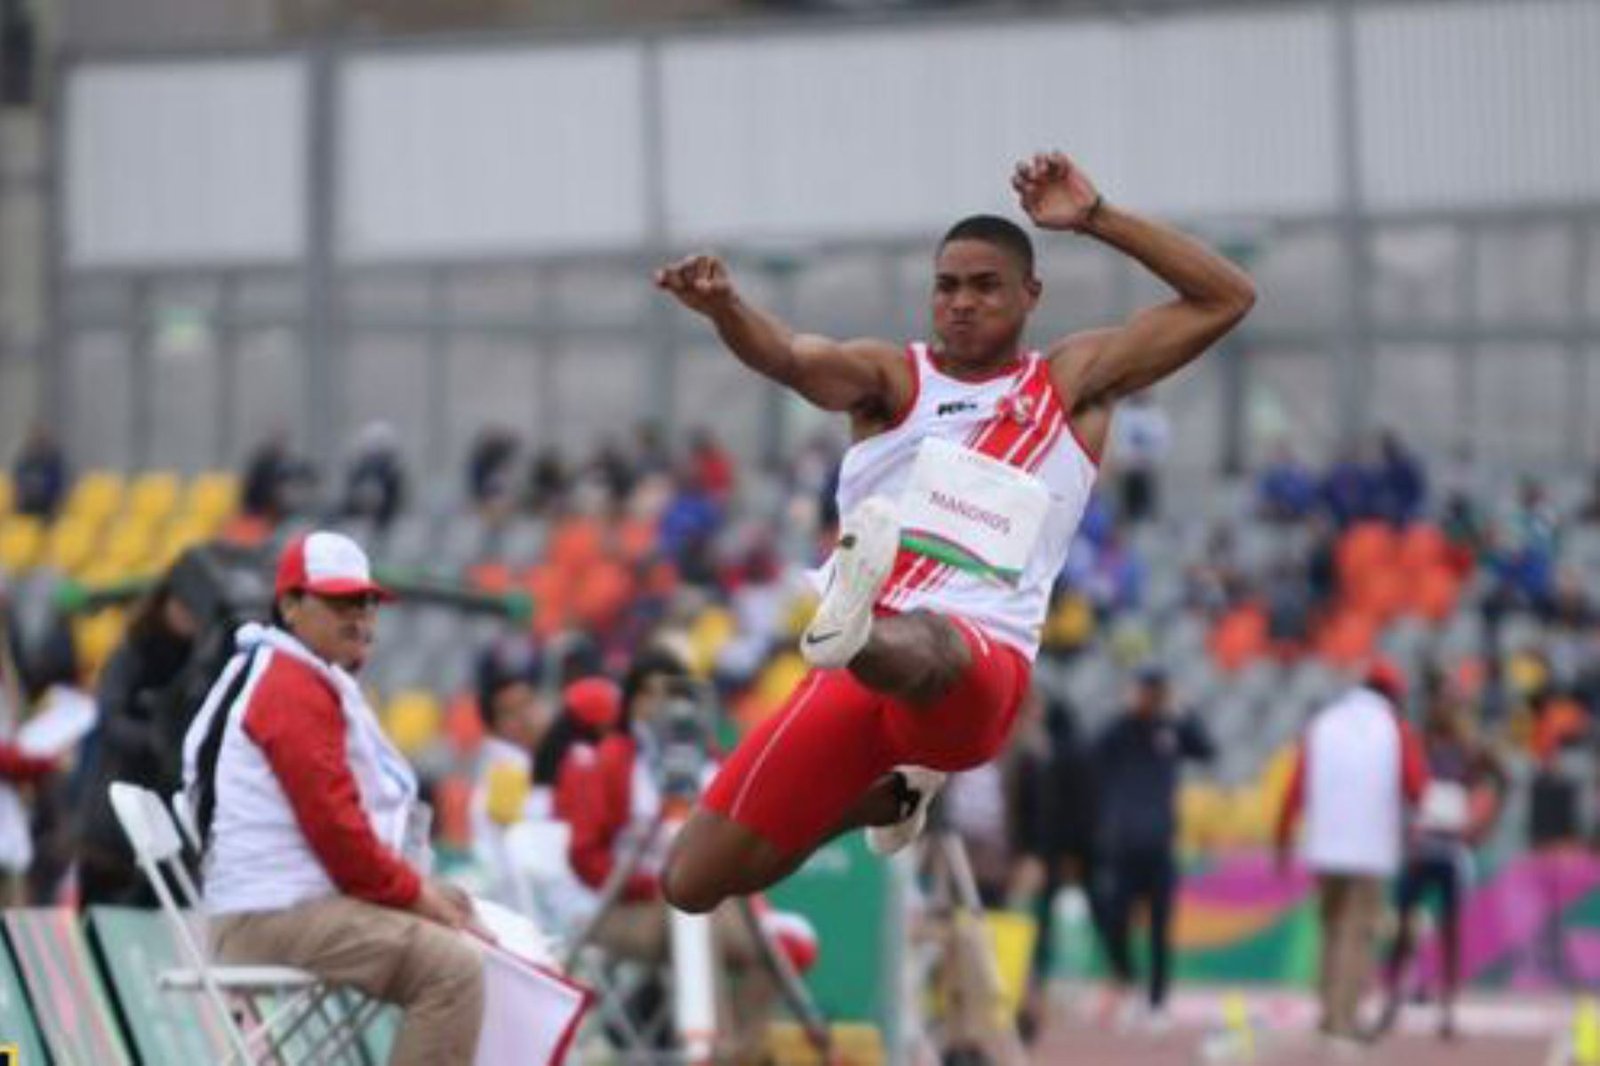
[793,778]
[968,726]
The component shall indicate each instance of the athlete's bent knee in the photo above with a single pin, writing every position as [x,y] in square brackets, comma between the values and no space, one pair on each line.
[688,889]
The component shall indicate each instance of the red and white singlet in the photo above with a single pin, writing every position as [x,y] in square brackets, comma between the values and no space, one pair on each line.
[1016,418]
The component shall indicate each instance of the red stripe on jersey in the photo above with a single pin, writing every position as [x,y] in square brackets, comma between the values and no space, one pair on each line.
[1004,437]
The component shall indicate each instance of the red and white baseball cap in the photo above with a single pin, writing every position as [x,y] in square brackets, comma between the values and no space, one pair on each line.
[327,564]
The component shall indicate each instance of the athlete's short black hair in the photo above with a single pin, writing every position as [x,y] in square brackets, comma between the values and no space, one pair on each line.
[1000,232]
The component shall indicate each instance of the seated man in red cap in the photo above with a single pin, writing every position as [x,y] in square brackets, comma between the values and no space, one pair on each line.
[306,811]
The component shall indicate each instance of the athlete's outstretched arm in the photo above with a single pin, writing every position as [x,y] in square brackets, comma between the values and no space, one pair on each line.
[861,376]
[1099,366]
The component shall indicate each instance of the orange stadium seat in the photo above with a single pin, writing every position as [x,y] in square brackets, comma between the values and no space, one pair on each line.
[1364,547]
[1240,637]
[463,726]
[452,806]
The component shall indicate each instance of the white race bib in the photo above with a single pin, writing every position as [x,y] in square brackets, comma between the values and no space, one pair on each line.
[975,513]
[1445,808]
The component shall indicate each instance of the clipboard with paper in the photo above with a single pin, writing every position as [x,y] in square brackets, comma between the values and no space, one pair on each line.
[972,512]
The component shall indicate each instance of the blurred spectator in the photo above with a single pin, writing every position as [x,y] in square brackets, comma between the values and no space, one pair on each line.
[712,466]
[651,452]
[1525,551]
[1451,820]
[1216,582]
[603,759]
[1401,484]
[1357,769]
[1290,607]
[1349,489]
[975,807]
[760,600]
[491,467]
[39,475]
[277,483]
[1561,821]
[1140,438]
[548,482]
[688,527]
[17,769]
[1136,764]
[615,470]
[1286,489]
[139,737]
[1051,796]
[1322,563]
[375,481]
[515,722]
[1588,512]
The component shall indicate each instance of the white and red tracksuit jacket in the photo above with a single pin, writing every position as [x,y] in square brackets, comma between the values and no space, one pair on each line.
[1358,768]
[311,799]
[608,798]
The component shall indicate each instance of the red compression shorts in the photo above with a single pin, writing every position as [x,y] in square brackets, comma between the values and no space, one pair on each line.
[794,777]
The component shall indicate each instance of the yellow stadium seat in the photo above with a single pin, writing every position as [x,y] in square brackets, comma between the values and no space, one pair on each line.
[96,496]
[710,632]
[413,720]
[507,792]
[8,494]
[71,544]
[21,543]
[153,496]
[177,539]
[779,678]
[130,546]
[797,615]
[213,495]
[95,637]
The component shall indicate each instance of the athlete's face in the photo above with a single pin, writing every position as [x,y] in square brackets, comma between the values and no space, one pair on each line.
[981,300]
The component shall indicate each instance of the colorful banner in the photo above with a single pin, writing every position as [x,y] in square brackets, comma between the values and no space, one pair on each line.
[68,1001]
[1531,924]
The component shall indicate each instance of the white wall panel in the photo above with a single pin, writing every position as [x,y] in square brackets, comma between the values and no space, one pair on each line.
[895,131]
[185,161]
[1467,104]
[1232,115]
[467,153]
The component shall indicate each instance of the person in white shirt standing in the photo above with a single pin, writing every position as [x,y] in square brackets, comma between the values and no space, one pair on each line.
[1358,768]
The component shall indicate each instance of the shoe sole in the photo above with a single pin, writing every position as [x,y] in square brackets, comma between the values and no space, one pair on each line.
[865,558]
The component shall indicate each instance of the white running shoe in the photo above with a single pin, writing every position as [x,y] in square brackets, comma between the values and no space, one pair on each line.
[868,542]
[920,785]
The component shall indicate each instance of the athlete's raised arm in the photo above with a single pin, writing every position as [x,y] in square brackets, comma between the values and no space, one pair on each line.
[868,378]
[1096,367]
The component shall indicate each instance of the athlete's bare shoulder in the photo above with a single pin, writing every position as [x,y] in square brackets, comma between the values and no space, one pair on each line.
[890,367]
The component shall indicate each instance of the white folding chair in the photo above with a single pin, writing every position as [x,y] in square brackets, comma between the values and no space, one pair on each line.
[157,848]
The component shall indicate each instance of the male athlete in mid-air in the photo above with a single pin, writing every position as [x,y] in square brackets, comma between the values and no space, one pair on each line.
[972,461]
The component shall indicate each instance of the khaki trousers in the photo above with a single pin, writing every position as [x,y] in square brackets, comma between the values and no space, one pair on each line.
[1350,906]
[434,974]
